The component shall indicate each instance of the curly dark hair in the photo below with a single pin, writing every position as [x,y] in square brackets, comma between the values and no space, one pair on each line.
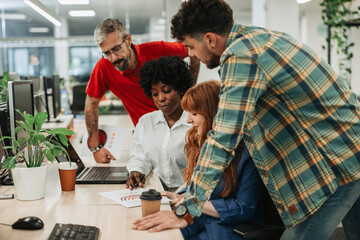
[197,17]
[171,70]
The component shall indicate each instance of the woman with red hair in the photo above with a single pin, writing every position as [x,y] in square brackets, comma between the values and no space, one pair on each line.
[236,198]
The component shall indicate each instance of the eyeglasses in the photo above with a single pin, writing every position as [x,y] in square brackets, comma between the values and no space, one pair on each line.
[114,50]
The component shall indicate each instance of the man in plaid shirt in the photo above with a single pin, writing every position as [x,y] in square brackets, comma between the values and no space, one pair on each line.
[297,117]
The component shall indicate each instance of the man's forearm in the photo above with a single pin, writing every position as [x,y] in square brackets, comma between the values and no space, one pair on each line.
[92,120]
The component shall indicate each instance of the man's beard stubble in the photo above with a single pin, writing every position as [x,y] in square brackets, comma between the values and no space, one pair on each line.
[214,61]
[126,62]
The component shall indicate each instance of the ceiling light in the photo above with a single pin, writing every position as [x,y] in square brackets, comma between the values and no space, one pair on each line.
[44,11]
[73,2]
[13,16]
[82,13]
[303,1]
[38,30]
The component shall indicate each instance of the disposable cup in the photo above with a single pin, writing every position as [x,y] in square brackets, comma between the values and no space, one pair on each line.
[150,202]
[67,175]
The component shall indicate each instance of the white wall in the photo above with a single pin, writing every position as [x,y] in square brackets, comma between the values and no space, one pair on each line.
[283,16]
[355,81]
[316,31]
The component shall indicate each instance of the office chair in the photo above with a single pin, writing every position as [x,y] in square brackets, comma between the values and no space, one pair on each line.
[79,96]
[273,226]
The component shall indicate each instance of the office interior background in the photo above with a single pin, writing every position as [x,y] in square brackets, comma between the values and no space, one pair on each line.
[31,45]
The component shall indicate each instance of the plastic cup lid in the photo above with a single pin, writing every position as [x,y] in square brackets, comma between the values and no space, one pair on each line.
[150,195]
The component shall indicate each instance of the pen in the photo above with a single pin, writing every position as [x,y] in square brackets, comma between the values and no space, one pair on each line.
[137,184]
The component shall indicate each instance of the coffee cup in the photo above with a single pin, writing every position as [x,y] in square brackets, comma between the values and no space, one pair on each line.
[67,175]
[150,202]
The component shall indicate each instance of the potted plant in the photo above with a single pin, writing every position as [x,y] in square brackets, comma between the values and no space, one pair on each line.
[29,175]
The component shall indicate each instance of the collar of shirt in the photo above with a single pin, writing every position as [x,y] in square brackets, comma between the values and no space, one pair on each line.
[160,118]
[237,31]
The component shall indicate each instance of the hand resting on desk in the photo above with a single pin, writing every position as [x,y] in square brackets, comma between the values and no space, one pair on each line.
[159,221]
[103,156]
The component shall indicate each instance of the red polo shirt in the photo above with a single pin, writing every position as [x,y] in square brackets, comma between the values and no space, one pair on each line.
[125,85]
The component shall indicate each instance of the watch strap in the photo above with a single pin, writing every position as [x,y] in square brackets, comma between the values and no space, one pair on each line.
[188,218]
[97,148]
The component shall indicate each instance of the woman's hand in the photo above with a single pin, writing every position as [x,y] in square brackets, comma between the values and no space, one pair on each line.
[159,221]
[174,198]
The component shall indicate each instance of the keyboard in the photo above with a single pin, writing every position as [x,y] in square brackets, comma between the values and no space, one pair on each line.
[98,173]
[74,232]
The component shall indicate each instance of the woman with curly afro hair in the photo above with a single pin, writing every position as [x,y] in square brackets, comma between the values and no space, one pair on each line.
[159,137]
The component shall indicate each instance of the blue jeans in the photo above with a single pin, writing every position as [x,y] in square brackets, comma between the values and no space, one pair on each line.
[343,205]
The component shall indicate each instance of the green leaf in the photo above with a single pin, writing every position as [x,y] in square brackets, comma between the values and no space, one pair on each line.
[9,162]
[40,119]
[64,131]
[20,140]
[7,137]
[29,119]
[63,139]
[48,144]
[41,137]
[49,155]
[56,151]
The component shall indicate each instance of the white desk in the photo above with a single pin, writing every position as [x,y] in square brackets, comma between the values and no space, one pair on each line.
[82,206]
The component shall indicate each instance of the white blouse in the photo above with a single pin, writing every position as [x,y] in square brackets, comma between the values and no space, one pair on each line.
[157,148]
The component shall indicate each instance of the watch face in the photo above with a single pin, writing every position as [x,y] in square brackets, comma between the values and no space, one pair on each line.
[181,210]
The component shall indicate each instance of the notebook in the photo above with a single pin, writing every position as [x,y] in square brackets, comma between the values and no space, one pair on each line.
[94,175]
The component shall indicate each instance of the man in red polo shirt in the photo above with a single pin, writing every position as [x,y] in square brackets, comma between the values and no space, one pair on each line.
[117,71]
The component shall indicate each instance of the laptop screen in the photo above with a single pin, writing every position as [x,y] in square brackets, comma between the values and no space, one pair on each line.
[74,157]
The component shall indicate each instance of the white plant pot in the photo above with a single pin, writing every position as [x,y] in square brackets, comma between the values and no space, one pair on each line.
[29,183]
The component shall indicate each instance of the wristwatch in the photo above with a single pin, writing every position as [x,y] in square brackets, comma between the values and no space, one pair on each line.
[97,148]
[181,211]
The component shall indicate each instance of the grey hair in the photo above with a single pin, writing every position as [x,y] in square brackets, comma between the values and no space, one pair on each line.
[108,26]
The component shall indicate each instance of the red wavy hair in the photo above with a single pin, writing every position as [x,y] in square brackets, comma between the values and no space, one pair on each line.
[203,99]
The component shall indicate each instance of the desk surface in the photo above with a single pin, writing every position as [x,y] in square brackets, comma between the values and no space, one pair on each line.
[82,206]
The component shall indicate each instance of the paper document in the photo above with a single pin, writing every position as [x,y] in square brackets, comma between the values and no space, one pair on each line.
[116,139]
[128,198]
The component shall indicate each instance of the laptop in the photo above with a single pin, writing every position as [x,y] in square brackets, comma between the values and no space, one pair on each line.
[94,175]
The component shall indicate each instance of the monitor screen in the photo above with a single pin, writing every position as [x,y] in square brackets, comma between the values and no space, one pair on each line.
[56,97]
[40,102]
[37,83]
[21,98]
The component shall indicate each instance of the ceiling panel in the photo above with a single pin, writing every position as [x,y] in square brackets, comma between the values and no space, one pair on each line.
[135,12]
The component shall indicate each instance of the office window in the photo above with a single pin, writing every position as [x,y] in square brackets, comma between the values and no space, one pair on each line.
[82,62]
[31,61]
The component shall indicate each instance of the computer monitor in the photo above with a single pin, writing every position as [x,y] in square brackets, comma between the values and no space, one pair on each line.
[38,83]
[40,102]
[53,97]
[20,97]
[56,96]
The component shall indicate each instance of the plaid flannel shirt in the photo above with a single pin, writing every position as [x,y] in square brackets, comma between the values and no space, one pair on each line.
[297,117]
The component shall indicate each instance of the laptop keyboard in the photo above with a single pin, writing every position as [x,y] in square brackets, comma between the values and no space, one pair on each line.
[98,173]
[73,231]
